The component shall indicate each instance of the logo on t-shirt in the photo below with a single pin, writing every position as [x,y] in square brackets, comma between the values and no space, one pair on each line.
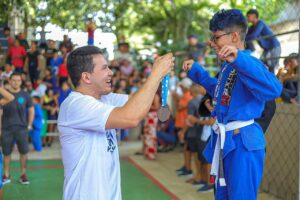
[110,139]
[21,100]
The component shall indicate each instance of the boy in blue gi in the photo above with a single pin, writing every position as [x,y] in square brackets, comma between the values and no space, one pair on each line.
[237,145]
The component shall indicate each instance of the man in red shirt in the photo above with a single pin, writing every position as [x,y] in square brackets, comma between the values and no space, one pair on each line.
[17,53]
[63,72]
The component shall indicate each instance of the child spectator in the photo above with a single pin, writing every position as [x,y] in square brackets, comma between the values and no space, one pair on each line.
[166,135]
[63,92]
[8,70]
[32,63]
[36,132]
[55,61]
[49,102]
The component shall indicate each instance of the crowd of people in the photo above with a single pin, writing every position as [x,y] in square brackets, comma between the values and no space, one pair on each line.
[37,76]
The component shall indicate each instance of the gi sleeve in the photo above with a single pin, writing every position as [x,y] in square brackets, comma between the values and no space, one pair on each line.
[254,74]
[200,76]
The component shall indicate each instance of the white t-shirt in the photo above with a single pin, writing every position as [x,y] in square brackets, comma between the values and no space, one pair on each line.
[89,152]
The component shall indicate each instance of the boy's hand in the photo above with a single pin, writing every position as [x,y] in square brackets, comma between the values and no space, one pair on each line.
[187,65]
[228,53]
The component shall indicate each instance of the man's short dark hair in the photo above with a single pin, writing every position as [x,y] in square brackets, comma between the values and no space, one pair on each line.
[229,21]
[125,44]
[253,12]
[192,36]
[15,74]
[81,60]
[6,28]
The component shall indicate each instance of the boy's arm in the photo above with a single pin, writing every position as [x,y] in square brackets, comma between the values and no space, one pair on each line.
[199,75]
[253,73]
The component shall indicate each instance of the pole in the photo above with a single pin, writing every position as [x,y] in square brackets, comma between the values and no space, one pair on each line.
[298,116]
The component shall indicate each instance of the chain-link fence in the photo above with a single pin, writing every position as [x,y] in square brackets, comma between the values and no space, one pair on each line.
[281,172]
[282,154]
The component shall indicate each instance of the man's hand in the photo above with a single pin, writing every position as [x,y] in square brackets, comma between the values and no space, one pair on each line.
[212,120]
[228,53]
[163,65]
[187,65]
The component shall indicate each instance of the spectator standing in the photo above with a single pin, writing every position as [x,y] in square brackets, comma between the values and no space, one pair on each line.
[17,53]
[15,126]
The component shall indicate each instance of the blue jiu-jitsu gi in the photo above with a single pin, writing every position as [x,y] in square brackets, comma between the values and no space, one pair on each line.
[239,96]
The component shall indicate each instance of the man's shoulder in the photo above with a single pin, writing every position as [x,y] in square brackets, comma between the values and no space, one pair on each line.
[23,93]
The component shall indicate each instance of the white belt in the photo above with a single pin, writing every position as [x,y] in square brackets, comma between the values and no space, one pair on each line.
[217,170]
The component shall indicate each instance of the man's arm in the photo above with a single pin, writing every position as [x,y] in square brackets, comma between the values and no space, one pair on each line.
[256,32]
[7,97]
[139,104]
[30,116]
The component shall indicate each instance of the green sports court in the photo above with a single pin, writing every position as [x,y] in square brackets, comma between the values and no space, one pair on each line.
[46,182]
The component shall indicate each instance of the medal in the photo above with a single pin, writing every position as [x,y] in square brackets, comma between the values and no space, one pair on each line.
[164,113]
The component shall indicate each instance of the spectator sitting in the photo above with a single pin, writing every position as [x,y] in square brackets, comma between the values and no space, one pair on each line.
[8,70]
[147,68]
[166,135]
[126,67]
[50,80]
[49,102]
[271,45]
[28,87]
[123,52]
[122,87]
[41,88]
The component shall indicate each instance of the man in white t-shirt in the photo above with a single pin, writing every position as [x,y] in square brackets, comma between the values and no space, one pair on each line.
[87,121]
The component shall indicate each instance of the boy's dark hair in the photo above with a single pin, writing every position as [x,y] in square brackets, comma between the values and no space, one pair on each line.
[36,97]
[253,12]
[81,60]
[229,21]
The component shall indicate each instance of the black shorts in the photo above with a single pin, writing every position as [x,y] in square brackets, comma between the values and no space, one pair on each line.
[192,145]
[201,147]
[18,135]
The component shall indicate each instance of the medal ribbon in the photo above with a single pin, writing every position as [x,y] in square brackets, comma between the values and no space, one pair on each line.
[165,90]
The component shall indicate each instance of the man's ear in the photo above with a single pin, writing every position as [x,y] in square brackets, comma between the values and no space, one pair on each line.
[86,78]
[236,37]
